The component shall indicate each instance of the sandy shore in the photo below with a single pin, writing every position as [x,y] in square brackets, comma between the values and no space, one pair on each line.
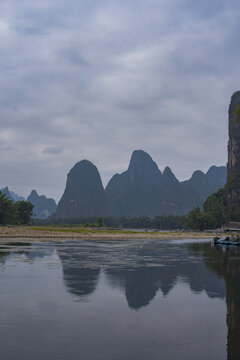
[79,233]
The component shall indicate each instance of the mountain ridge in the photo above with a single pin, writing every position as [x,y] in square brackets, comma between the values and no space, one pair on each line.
[163,193]
[43,206]
[141,190]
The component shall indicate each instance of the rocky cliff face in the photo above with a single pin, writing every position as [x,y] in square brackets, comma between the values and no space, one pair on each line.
[43,207]
[233,178]
[84,194]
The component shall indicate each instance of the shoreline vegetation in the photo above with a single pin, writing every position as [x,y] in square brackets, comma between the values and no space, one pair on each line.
[54,232]
[20,213]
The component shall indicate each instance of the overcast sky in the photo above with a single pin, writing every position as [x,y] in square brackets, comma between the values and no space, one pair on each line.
[96,79]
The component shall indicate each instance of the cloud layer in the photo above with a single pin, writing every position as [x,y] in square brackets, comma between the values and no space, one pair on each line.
[97,79]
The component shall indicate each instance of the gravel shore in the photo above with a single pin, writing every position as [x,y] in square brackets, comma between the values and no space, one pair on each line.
[79,233]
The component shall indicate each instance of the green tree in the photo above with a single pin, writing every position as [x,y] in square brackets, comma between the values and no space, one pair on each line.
[24,211]
[214,213]
[194,219]
[216,208]
[100,221]
[7,210]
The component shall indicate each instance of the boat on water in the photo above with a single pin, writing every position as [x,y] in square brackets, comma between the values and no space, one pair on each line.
[226,241]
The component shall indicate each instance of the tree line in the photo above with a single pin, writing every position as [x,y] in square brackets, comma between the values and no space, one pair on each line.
[11,212]
[214,214]
[141,222]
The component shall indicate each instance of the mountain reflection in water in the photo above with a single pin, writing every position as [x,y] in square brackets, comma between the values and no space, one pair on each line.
[225,262]
[139,270]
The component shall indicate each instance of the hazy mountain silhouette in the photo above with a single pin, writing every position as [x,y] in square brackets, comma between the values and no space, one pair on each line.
[136,191]
[84,193]
[201,185]
[7,193]
[143,190]
[43,206]
[16,197]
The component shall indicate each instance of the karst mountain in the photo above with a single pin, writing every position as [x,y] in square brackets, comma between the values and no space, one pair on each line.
[141,190]
[43,206]
[84,193]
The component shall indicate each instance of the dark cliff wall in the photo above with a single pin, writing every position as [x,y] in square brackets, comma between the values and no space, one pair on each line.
[233,176]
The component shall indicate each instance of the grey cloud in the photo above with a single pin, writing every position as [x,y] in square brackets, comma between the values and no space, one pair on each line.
[101,78]
[74,57]
[52,150]
[31,31]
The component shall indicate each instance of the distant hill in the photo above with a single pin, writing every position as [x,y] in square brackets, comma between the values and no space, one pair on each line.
[84,193]
[16,197]
[141,190]
[201,185]
[43,206]
[6,192]
[11,195]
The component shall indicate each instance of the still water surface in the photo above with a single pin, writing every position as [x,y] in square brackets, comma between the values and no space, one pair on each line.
[119,300]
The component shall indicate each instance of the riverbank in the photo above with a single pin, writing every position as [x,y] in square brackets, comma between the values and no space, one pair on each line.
[24,232]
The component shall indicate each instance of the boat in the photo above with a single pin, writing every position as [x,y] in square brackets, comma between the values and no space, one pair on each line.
[225,241]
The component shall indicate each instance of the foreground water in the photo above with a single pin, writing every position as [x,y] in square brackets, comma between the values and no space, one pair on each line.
[119,300]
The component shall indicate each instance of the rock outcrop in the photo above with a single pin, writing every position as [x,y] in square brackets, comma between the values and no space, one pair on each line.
[233,177]
[43,206]
[84,193]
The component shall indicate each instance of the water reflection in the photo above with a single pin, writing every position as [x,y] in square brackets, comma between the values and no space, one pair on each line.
[30,251]
[80,271]
[178,290]
[225,262]
[138,268]
[140,271]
